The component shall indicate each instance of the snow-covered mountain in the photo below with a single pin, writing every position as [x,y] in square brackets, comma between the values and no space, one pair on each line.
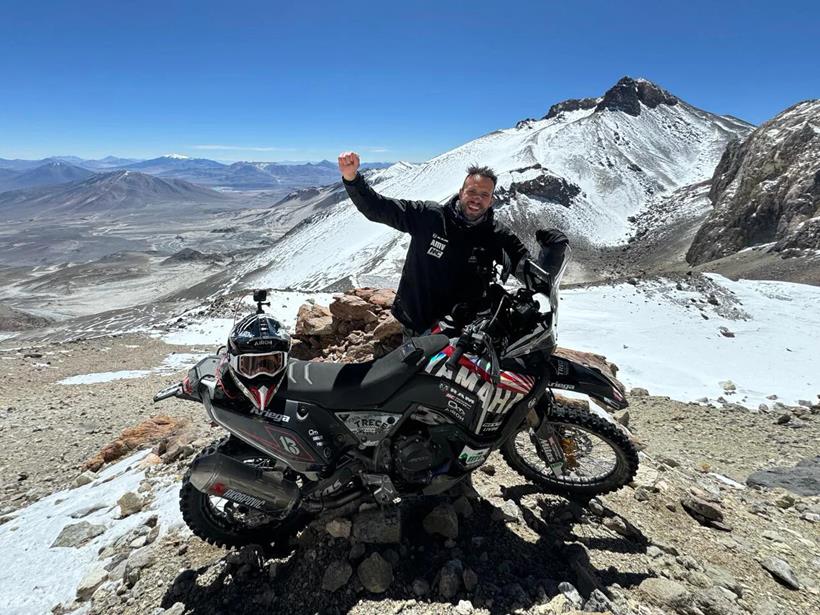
[586,167]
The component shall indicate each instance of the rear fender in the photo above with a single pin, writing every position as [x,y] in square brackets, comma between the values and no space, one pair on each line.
[569,375]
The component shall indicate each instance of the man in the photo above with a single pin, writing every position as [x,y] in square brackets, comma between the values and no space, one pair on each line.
[449,243]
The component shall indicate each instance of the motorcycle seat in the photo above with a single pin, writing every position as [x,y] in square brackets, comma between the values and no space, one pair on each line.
[344,386]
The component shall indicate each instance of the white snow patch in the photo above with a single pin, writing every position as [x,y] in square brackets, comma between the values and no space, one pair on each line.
[36,576]
[670,350]
[99,377]
[172,363]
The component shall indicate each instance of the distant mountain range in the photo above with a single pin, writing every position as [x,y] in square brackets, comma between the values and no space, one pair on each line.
[114,192]
[17,174]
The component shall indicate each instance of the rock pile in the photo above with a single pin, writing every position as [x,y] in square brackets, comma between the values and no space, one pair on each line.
[356,327]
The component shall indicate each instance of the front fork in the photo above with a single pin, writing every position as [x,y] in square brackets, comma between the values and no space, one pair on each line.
[548,442]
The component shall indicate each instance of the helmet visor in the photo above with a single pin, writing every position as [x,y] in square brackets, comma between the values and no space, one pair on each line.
[265,364]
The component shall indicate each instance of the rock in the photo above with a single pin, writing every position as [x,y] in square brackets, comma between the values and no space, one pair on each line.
[723,578]
[470,579]
[716,601]
[336,575]
[357,551]
[558,605]
[442,520]
[783,419]
[784,501]
[622,417]
[571,594]
[352,309]
[421,587]
[488,469]
[641,494]
[701,510]
[621,526]
[463,507]
[781,571]
[84,512]
[725,332]
[339,527]
[450,578]
[151,459]
[378,527]
[464,607]
[375,573]
[178,608]
[639,392]
[598,602]
[133,438]
[85,478]
[763,408]
[314,320]
[802,479]
[383,298]
[728,386]
[92,579]
[130,503]
[508,511]
[387,328]
[646,477]
[77,534]
[666,593]
[137,561]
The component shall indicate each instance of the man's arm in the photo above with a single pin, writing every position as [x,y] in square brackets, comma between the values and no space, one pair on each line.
[399,213]
[515,250]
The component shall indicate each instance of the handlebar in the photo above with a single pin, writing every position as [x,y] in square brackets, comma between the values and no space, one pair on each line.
[461,346]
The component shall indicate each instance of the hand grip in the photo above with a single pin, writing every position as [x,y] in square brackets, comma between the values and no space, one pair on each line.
[452,362]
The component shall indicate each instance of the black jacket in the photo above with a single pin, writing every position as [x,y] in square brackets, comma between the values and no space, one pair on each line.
[436,274]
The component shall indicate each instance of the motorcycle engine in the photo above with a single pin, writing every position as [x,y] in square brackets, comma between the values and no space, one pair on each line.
[415,456]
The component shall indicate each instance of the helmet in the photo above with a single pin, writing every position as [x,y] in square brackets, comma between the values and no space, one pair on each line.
[257,356]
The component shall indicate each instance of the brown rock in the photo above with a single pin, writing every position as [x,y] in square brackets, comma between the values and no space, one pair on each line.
[383,298]
[133,438]
[314,319]
[352,309]
[387,327]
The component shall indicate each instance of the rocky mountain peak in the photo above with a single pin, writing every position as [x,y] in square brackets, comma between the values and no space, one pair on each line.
[766,189]
[628,94]
[572,104]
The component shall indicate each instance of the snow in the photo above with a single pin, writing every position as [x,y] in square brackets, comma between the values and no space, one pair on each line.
[172,363]
[36,577]
[619,162]
[660,345]
[99,377]
[284,306]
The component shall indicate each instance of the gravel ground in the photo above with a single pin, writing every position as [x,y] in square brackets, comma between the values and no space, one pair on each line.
[518,544]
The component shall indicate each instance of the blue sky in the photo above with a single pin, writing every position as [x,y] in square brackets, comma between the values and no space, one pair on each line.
[396,81]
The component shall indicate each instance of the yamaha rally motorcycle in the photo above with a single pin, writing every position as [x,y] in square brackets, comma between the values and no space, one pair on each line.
[413,423]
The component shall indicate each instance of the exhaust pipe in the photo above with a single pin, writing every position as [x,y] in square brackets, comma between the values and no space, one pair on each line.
[226,477]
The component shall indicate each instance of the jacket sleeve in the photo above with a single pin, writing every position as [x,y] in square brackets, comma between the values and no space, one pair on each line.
[401,214]
[514,250]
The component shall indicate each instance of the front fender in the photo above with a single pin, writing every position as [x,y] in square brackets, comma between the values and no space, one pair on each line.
[569,375]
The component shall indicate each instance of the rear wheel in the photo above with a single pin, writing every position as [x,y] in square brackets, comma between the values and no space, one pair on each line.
[225,523]
[598,456]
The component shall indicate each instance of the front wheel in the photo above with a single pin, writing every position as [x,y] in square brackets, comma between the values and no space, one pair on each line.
[598,457]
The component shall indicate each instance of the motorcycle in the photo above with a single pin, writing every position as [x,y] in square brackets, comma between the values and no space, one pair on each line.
[413,423]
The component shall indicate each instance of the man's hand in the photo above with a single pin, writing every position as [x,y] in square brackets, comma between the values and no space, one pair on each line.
[349,165]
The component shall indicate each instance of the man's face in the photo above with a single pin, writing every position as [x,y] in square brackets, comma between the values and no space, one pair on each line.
[476,196]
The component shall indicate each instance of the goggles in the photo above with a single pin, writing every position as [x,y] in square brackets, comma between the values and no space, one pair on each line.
[263,364]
